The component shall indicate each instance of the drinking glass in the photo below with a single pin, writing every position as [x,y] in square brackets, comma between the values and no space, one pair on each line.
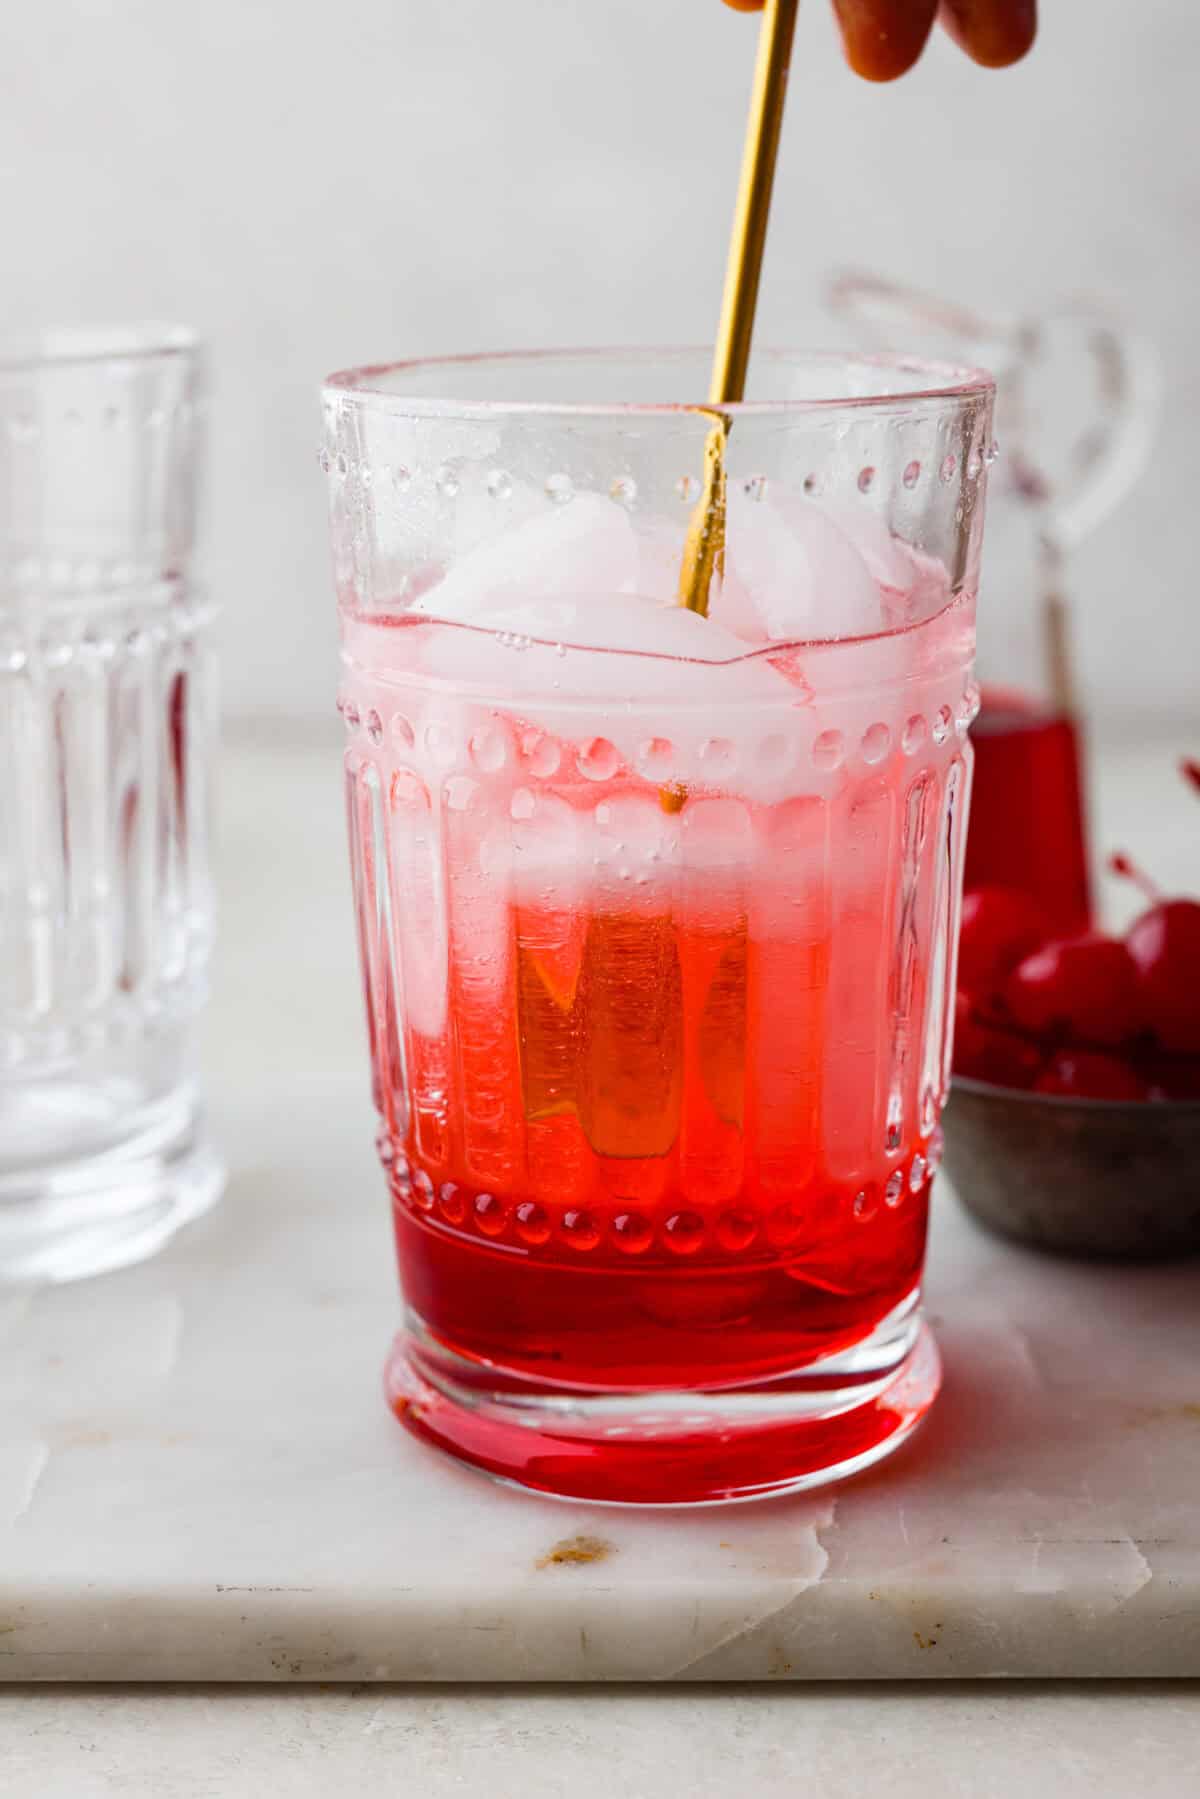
[105,737]
[657,910]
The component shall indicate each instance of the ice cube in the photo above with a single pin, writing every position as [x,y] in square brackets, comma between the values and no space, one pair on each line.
[660,558]
[419,925]
[478,883]
[715,877]
[891,563]
[549,628]
[481,514]
[549,954]
[552,656]
[793,574]
[861,844]
[788,1017]
[586,547]
[620,621]
[631,1024]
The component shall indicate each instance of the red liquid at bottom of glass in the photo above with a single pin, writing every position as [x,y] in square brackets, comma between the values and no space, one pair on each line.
[664,1356]
[1028,827]
[719,1449]
[696,1319]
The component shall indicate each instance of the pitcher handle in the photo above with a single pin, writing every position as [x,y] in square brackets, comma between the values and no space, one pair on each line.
[1114,446]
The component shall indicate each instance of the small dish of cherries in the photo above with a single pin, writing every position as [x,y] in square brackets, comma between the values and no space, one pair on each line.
[1074,1118]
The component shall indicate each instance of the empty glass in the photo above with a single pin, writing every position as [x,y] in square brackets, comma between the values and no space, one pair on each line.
[105,732]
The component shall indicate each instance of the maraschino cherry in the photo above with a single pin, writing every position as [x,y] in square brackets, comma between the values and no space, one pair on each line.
[1000,926]
[1164,945]
[1087,1017]
[1076,990]
[987,1053]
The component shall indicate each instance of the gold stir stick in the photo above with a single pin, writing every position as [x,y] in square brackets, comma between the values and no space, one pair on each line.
[704,551]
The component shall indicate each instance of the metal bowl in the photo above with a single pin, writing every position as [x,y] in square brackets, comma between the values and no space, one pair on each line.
[1083,1177]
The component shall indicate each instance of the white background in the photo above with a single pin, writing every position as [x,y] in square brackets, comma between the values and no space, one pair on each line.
[314,185]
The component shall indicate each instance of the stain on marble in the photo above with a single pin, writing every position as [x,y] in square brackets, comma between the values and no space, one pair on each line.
[574,1552]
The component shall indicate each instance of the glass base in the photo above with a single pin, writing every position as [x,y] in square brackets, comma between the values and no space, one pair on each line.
[819,1424]
[68,1215]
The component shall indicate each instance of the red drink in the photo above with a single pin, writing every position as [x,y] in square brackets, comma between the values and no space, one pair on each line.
[1027,814]
[646,1174]
[659,1037]
[658,905]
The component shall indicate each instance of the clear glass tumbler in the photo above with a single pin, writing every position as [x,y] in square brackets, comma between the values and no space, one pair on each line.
[106,700]
[657,910]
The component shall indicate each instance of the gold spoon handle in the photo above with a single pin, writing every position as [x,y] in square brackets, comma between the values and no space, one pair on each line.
[749,234]
[704,551]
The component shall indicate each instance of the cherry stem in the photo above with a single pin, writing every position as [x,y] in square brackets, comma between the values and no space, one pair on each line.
[1121,864]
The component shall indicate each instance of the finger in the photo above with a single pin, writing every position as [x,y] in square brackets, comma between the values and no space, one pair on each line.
[992,32]
[884,38]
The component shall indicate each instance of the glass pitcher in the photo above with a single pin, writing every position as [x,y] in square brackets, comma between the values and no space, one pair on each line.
[1053,483]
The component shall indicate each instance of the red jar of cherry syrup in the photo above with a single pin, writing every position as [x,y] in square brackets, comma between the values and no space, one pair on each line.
[1028,825]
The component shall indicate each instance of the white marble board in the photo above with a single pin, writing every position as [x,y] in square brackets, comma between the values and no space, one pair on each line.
[199,1479]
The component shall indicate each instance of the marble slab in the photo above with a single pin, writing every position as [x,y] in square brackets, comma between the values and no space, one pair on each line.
[199,1480]
[842,1740]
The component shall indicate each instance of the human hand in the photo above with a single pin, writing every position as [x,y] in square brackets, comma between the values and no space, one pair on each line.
[884,38]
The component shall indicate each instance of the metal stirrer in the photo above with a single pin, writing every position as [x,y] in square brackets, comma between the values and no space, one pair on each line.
[704,551]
